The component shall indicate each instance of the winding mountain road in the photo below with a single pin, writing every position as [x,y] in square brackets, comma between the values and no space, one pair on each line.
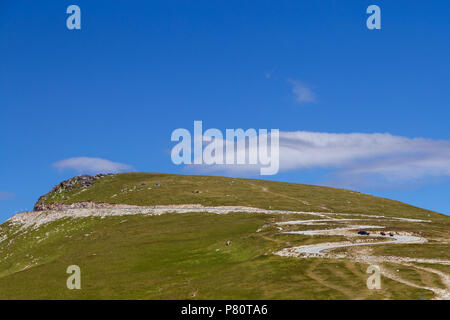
[324,247]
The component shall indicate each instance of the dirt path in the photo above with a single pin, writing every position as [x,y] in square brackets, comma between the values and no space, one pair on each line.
[37,218]
[325,249]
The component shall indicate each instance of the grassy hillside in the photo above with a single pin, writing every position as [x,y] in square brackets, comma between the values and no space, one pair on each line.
[178,257]
[186,256]
[160,189]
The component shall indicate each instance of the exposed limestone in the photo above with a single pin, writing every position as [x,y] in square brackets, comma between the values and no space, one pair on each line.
[90,209]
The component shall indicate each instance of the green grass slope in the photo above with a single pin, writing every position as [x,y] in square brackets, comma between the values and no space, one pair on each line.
[175,256]
[185,256]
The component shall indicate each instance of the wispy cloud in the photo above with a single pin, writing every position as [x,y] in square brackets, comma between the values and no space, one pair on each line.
[6,195]
[303,94]
[357,159]
[269,74]
[92,165]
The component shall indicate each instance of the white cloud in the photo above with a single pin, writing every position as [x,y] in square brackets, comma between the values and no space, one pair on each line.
[355,159]
[302,93]
[92,165]
[358,153]
[6,195]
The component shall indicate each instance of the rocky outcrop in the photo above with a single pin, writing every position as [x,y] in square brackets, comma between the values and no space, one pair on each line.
[78,182]
[81,205]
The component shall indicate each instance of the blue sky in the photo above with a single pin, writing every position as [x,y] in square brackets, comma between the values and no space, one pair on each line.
[116,89]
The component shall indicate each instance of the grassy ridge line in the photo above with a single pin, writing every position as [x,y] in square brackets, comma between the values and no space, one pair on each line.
[148,189]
